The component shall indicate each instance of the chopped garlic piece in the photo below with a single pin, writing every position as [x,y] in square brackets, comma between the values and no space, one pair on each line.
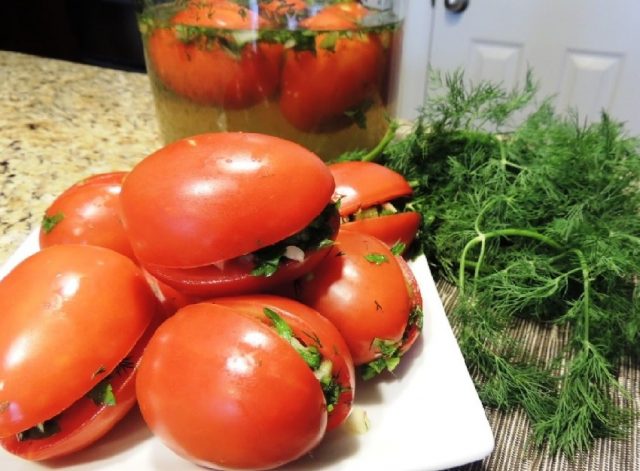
[294,253]
[358,422]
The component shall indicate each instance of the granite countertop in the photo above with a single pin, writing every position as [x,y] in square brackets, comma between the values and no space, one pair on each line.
[61,122]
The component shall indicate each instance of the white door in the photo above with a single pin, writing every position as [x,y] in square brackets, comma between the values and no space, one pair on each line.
[585,53]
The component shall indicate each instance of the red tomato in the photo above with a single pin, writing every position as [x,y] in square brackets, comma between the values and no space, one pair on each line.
[390,229]
[363,185]
[194,206]
[204,70]
[84,421]
[349,11]
[312,329]
[319,86]
[250,400]
[276,9]
[360,287]
[88,213]
[70,314]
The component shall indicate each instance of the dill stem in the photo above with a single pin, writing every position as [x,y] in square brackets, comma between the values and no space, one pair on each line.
[374,153]
[586,294]
[481,239]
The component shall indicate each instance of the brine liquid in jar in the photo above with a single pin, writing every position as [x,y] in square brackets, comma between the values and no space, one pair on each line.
[316,73]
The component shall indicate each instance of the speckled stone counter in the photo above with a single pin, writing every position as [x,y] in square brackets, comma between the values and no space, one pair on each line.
[61,122]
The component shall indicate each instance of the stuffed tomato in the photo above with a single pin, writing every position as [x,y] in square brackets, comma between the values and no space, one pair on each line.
[373,200]
[88,213]
[255,381]
[370,295]
[74,322]
[229,213]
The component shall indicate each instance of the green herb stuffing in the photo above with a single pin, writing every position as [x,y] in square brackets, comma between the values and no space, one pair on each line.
[50,222]
[321,367]
[102,394]
[376,258]
[318,234]
[532,215]
[388,359]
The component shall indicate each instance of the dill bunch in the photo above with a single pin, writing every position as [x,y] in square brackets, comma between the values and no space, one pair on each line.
[532,215]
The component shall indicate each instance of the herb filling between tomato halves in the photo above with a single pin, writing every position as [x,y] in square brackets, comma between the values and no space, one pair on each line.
[399,205]
[390,351]
[101,394]
[322,368]
[318,234]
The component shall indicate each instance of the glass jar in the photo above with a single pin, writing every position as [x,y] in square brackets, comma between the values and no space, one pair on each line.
[315,72]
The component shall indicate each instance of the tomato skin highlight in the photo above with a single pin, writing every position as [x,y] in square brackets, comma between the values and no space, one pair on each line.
[230,194]
[90,211]
[363,299]
[237,395]
[68,312]
[204,71]
[314,329]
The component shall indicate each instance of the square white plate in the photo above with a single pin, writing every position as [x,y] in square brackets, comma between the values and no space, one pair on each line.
[427,416]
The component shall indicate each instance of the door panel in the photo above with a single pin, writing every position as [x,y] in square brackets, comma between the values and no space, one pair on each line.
[584,53]
[495,61]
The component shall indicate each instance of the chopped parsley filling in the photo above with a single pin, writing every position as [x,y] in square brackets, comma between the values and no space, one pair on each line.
[322,368]
[318,234]
[390,351]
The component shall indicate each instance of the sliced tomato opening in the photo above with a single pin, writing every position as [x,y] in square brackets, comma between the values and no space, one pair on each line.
[390,229]
[87,419]
[334,369]
[262,270]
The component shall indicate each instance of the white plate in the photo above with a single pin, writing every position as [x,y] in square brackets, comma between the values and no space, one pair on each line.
[427,416]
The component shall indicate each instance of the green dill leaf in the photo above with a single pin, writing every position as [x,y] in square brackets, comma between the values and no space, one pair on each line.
[329,41]
[310,354]
[389,358]
[416,317]
[102,394]
[50,222]
[398,248]
[282,328]
[534,216]
[376,258]
[359,113]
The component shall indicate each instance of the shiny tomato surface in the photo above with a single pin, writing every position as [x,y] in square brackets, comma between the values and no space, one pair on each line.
[312,329]
[319,86]
[204,70]
[224,390]
[361,289]
[88,213]
[361,185]
[69,312]
[218,196]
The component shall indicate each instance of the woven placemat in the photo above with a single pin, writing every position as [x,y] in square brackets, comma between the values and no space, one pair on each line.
[514,451]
